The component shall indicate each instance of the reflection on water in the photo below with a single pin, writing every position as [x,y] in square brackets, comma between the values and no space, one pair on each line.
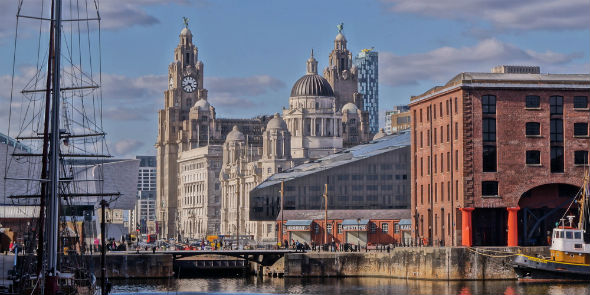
[343,286]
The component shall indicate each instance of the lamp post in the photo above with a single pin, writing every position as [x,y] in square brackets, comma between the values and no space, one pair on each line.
[358,233]
[326,214]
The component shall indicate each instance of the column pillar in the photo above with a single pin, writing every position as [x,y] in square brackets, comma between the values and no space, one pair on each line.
[466,236]
[513,226]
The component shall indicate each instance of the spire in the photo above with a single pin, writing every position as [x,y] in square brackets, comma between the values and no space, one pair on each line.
[312,65]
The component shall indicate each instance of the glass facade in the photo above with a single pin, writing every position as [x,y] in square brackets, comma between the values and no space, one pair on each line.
[368,76]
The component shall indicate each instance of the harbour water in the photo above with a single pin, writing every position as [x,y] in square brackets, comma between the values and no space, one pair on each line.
[340,286]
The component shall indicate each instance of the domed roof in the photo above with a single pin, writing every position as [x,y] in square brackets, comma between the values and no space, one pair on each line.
[276,123]
[340,37]
[350,108]
[312,85]
[202,104]
[379,134]
[185,31]
[235,135]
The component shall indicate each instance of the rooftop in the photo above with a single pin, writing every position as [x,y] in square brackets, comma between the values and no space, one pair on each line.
[350,155]
[510,80]
[372,214]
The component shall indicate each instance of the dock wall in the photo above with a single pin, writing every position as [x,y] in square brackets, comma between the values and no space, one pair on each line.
[427,263]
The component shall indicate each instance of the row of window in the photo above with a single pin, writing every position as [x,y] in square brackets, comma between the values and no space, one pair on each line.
[372,228]
[556,129]
[435,163]
[439,191]
[488,103]
[448,106]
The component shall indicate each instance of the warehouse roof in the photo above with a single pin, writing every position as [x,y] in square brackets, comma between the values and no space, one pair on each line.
[350,155]
[372,214]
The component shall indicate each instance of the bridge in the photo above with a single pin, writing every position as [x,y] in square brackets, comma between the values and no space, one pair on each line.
[261,257]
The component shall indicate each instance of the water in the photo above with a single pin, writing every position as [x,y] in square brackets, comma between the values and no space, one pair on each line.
[340,286]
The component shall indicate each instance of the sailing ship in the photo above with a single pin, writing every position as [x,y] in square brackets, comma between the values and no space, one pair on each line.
[570,248]
[58,119]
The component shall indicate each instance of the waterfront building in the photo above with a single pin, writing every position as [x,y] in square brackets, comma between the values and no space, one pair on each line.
[144,214]
[367,63]
[244,167]
[356,227]
[188,121]
[397,120]
[199,198]
[342,75]
[375,175]
[497,156]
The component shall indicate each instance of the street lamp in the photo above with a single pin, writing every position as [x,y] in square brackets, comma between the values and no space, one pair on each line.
[358,233]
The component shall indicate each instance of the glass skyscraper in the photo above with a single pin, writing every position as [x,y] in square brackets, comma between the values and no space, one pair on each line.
[368,75]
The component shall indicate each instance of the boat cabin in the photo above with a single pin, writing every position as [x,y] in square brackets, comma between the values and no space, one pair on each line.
[567,245]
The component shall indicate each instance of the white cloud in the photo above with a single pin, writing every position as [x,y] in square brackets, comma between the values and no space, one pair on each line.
[127,146]
[503,14]
[443,63]
[251,86]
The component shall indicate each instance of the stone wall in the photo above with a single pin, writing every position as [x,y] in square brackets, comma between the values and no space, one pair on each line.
[428,263]
[131,265]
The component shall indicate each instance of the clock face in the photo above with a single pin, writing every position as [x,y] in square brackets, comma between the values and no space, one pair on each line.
[189,84]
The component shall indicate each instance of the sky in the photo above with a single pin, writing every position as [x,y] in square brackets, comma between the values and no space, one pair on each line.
[253,51]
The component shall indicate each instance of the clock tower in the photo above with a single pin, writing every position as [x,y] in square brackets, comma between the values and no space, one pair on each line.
[175,132]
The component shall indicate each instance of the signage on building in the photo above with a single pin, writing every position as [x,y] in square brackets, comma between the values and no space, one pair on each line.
[297,227]
[354,227]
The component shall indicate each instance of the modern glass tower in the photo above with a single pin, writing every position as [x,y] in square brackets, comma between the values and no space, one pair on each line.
[368,75]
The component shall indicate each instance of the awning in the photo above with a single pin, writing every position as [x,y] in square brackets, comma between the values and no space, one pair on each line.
[355,222]
[405,222]
[298,225]
[299,222]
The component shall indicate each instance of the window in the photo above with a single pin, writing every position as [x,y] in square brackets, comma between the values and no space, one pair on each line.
[580,129]
[533,157]
[556,104]
[533,129]
[580,102]
[339,228]
[488,104]
[556,159]
[581,157]
[489,188]
[489,129]
[316,228]
[489,158]
[329,228]
[533,101]
[373,228]
[456,130]
[556,130]
[385,227]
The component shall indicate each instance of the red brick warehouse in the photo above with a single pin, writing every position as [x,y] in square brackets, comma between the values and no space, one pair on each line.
[497,157]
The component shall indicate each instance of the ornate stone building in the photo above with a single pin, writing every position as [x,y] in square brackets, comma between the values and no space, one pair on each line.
[187,122]
[244,167]
[343,77]
[207,165]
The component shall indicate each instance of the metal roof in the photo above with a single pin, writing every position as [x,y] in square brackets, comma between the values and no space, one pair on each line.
[405,222]
[371,214]
[356,153]
[312,85]
[355,222]
[299,222]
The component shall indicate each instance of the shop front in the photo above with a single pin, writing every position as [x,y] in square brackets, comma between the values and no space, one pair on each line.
[356,231]
[299,230]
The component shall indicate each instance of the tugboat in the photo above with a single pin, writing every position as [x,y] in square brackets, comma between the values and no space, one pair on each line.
[570,249]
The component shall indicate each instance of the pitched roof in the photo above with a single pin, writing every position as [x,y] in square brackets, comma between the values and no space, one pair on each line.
[372,214]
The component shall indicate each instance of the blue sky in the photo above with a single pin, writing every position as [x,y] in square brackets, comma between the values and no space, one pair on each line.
[254,51]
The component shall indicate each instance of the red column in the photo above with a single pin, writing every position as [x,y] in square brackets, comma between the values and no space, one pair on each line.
[466,236]
[513,226]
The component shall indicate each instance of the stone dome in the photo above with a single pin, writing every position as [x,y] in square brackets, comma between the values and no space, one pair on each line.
[350,108]
[235,135]
[379,134]
[340,37]
[185,32]
[276,123]
[312,85]
[202,104]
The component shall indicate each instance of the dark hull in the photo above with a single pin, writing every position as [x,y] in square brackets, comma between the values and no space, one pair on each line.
[536,269]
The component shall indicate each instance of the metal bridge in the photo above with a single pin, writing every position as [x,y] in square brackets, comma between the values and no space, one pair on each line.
[261,257]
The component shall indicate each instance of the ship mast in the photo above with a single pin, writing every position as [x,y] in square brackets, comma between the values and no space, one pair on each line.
[51,226]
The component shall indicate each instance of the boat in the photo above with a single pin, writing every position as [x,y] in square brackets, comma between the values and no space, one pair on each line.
[570,248]
[61,128]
